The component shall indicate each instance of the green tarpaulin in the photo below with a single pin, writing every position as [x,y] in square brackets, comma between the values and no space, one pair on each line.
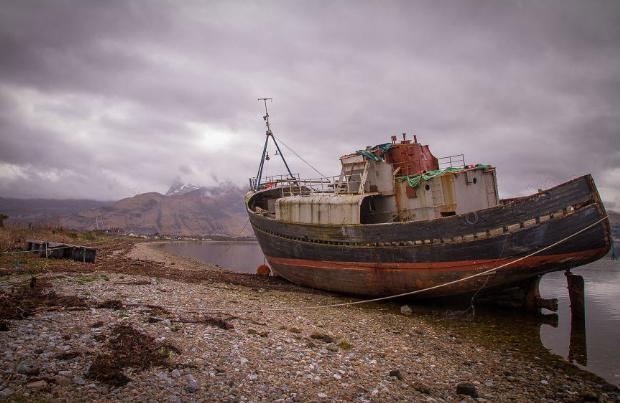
[368,153]
[414,181]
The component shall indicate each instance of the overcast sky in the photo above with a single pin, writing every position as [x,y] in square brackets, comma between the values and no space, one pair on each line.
[107,99]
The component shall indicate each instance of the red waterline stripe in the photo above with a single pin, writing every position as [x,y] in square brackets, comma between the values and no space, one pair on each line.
[439,266]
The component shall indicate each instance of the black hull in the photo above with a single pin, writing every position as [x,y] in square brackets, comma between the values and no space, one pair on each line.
[395,258]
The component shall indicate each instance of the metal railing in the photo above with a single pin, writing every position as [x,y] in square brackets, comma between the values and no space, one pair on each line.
[452,161]
[345,183]
[295,185]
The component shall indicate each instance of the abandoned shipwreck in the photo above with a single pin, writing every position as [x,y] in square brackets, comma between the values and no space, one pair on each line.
[398,220]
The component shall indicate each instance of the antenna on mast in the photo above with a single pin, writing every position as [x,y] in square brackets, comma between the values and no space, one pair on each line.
[266,117]
[265,155]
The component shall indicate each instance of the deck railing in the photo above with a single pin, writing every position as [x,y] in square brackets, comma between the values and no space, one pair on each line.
[347,183]
[296,185]
[452,161]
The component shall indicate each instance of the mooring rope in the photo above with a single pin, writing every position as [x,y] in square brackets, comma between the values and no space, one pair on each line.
[405,294]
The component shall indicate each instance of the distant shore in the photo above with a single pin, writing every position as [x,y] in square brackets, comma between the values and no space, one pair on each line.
[219,336]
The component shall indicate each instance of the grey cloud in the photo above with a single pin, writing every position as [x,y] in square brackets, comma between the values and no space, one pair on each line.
[532,87]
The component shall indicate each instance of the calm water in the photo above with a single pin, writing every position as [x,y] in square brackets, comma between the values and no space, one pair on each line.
[601,354]
[594,348]
[242,257]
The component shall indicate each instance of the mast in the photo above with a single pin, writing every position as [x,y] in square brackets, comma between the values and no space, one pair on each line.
[268,134]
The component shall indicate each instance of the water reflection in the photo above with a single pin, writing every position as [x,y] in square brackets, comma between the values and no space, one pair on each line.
[577,348]
[242,257]
[588,337]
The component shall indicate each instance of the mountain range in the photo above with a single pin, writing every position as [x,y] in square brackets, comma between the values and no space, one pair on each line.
[185,210]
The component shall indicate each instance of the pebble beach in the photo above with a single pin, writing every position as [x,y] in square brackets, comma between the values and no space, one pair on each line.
[143,325]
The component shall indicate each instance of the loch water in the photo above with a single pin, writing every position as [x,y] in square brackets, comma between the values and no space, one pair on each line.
[238,256]
[591,345]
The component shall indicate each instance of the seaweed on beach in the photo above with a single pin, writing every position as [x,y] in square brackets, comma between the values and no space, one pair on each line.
[25,299]
[113,304]
[128,347]
[210,321]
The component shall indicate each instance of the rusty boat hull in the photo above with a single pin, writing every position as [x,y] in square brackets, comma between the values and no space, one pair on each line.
[555,229]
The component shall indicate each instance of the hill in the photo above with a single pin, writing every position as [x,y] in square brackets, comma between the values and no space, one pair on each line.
[44,211]
[201,211]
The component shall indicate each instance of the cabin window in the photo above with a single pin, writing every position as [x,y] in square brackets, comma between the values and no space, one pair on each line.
[475,180]
[447,213]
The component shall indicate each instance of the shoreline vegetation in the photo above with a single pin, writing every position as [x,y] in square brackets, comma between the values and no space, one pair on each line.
[143,324]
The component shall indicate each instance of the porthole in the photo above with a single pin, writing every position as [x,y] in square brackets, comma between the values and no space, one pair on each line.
[427,187]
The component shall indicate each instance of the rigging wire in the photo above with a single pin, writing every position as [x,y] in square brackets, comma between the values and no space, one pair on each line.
[300,157]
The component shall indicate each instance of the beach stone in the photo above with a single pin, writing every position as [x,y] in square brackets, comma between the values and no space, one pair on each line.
[165,379]
[62,380]
[589,396]
[36,385]
[175,373]
[27,367]
[467,388]
[6,392]
[192,384]
[78,380]
[396,374]
[422,388]
[406,310]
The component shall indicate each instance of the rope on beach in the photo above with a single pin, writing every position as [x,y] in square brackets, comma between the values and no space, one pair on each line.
[405,294]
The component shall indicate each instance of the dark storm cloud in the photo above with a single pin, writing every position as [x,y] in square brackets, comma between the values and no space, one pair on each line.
[126,97]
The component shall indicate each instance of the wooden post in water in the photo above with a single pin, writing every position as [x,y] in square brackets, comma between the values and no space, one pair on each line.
[577,350]
[533,302]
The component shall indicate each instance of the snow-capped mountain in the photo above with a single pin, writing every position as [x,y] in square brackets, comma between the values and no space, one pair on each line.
[178,189]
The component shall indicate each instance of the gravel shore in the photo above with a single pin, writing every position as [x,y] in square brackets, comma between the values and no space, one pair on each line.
[144,325]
